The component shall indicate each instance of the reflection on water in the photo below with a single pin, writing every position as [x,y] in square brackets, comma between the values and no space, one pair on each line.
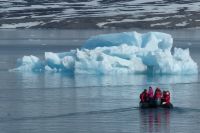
[93,103]
[56,80]
[154,120]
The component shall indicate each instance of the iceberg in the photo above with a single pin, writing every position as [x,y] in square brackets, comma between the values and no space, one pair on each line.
[118,53]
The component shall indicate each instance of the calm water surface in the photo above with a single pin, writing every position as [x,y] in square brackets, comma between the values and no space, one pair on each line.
[57,102]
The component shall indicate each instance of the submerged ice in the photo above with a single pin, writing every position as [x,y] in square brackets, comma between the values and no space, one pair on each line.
[128,52]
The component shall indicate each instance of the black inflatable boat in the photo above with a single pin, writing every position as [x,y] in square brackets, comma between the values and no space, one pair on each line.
[145,105]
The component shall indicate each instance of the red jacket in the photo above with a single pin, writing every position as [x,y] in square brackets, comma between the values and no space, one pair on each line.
[158,94]
[144,96]
[166,97]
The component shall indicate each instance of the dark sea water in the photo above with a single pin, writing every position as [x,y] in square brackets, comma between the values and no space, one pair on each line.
[57,102]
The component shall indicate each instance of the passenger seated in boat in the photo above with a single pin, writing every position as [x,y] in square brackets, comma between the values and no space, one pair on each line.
[150,93]
[151,96]
[157,96]
[166,97]
[144,96]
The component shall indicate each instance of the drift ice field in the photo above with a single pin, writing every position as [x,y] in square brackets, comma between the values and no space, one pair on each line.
[118,53]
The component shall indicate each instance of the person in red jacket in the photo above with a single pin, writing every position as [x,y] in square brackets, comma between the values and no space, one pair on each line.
[157,96]
[144,96]
[166,97]
[151,96]
[150,92]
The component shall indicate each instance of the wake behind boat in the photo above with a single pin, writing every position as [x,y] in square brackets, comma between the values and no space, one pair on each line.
[149,99]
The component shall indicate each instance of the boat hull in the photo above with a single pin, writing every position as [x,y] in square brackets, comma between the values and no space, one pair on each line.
[153,105]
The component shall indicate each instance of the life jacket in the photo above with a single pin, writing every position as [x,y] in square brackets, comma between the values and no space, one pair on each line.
[166,97]
[158,94]
[144,96]
[150,93]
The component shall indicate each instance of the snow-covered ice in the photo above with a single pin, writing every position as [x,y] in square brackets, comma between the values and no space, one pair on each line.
[19,25]
[127,52]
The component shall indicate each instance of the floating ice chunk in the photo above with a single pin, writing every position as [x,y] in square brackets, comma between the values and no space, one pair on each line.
[128,52]
[29,63]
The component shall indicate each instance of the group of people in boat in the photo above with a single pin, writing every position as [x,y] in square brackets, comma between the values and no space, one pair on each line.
[149,98]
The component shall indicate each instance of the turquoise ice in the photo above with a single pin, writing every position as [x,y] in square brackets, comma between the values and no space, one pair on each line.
[118,53]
